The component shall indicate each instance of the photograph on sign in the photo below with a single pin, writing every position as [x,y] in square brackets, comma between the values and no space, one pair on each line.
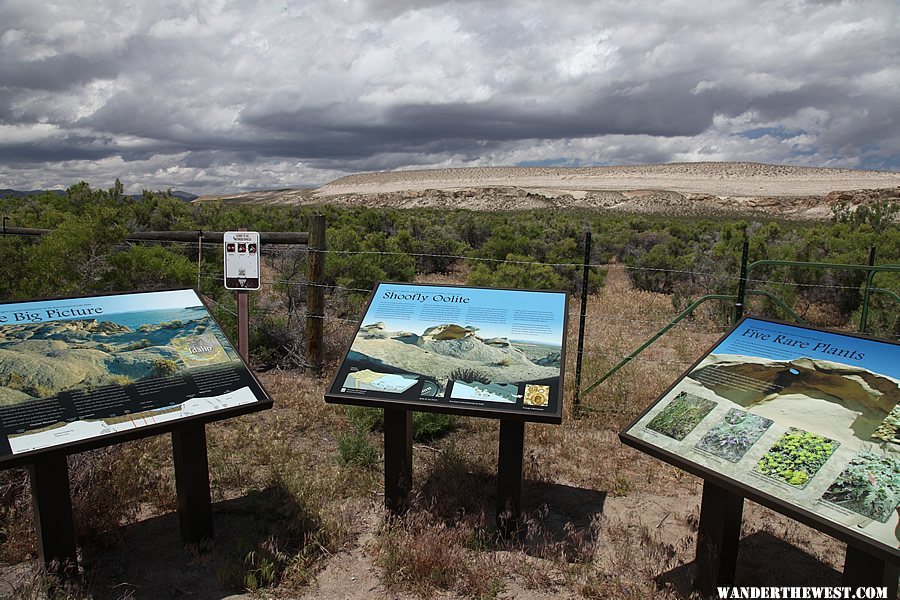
[241,260]
[76,369]
[459,347]
[805,416]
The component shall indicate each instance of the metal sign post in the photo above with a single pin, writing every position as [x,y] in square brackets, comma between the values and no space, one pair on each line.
[494,353]
[241,252]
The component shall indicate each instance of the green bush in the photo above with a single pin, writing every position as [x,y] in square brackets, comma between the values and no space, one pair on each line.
[427,426]
[354,449]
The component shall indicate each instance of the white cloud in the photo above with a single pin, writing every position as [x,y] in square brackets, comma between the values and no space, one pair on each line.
[222,95]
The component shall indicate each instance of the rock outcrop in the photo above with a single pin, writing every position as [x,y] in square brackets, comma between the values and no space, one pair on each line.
[447,348]
[447,331]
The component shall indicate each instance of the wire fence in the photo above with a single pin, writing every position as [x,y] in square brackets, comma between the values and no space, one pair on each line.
[276,285]
[284,281]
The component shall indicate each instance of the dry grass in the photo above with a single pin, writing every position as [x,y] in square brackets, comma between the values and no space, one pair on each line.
[601,520]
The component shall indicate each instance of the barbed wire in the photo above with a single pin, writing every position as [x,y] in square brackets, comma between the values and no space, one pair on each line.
[272,250]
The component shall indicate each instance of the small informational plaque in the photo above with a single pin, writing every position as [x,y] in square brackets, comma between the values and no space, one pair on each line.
[79,369]
[467,350]
[241,249]
[804,420]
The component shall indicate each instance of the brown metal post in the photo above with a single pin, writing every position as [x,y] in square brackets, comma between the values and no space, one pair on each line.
[52,503]
[192,483]
[315,296]
[397,459]
[509,476]
[243,323]
[717,537]
[861,569]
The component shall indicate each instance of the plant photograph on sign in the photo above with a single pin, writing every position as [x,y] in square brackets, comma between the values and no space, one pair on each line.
[734,435]
[889,430]
[681,415]
[796,457]
[870,486]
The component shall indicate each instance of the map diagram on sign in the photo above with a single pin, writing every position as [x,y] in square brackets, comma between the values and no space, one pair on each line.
[383,382]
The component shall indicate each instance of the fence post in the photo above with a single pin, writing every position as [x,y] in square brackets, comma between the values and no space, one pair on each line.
[742,282]
[199,256]
[315,295]
[584,300]
[864,314]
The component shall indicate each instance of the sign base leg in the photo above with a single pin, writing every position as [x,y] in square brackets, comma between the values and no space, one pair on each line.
[509,476]
[52,502]
[397,459]
[861,569]
[192,483]
[717,538]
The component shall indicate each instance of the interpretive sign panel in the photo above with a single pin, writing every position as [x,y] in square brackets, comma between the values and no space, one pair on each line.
[78,369]
[241,250]
[455,349]
[804,420]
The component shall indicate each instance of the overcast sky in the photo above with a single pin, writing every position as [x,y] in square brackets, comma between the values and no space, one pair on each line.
[210,96]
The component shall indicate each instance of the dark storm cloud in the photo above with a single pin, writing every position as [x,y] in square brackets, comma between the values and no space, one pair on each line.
[228,94]
[55,74]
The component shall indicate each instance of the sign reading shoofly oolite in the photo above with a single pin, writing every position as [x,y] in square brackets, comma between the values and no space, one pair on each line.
[241,250]
[466,350]
[804,420]
[77,369]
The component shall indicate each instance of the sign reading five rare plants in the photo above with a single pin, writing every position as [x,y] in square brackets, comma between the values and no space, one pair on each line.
[77,369]
[802,419]
[468,350]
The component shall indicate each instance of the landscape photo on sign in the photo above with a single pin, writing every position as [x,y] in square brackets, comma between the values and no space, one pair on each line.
[107,356]
[467,344]
[810,417]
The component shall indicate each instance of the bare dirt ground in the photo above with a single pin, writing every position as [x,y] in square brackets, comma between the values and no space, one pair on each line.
[684,188]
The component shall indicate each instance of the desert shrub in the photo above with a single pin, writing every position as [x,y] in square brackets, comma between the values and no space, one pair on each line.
[519,272]
[164,367]
[106,493]
[469,376]
[292,536]
[880,214]
[354,449]
[72,259]
[141,267]
[883,318]
[261,567]
[16,529]
[422,554]
[427,426]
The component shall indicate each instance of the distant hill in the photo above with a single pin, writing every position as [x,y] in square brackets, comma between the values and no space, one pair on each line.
[10,193]
[686,189]
[186,196]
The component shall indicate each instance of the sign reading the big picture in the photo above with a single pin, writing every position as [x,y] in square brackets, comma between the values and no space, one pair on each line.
[241,250]
[464,350]
[804,420]
[74,370]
